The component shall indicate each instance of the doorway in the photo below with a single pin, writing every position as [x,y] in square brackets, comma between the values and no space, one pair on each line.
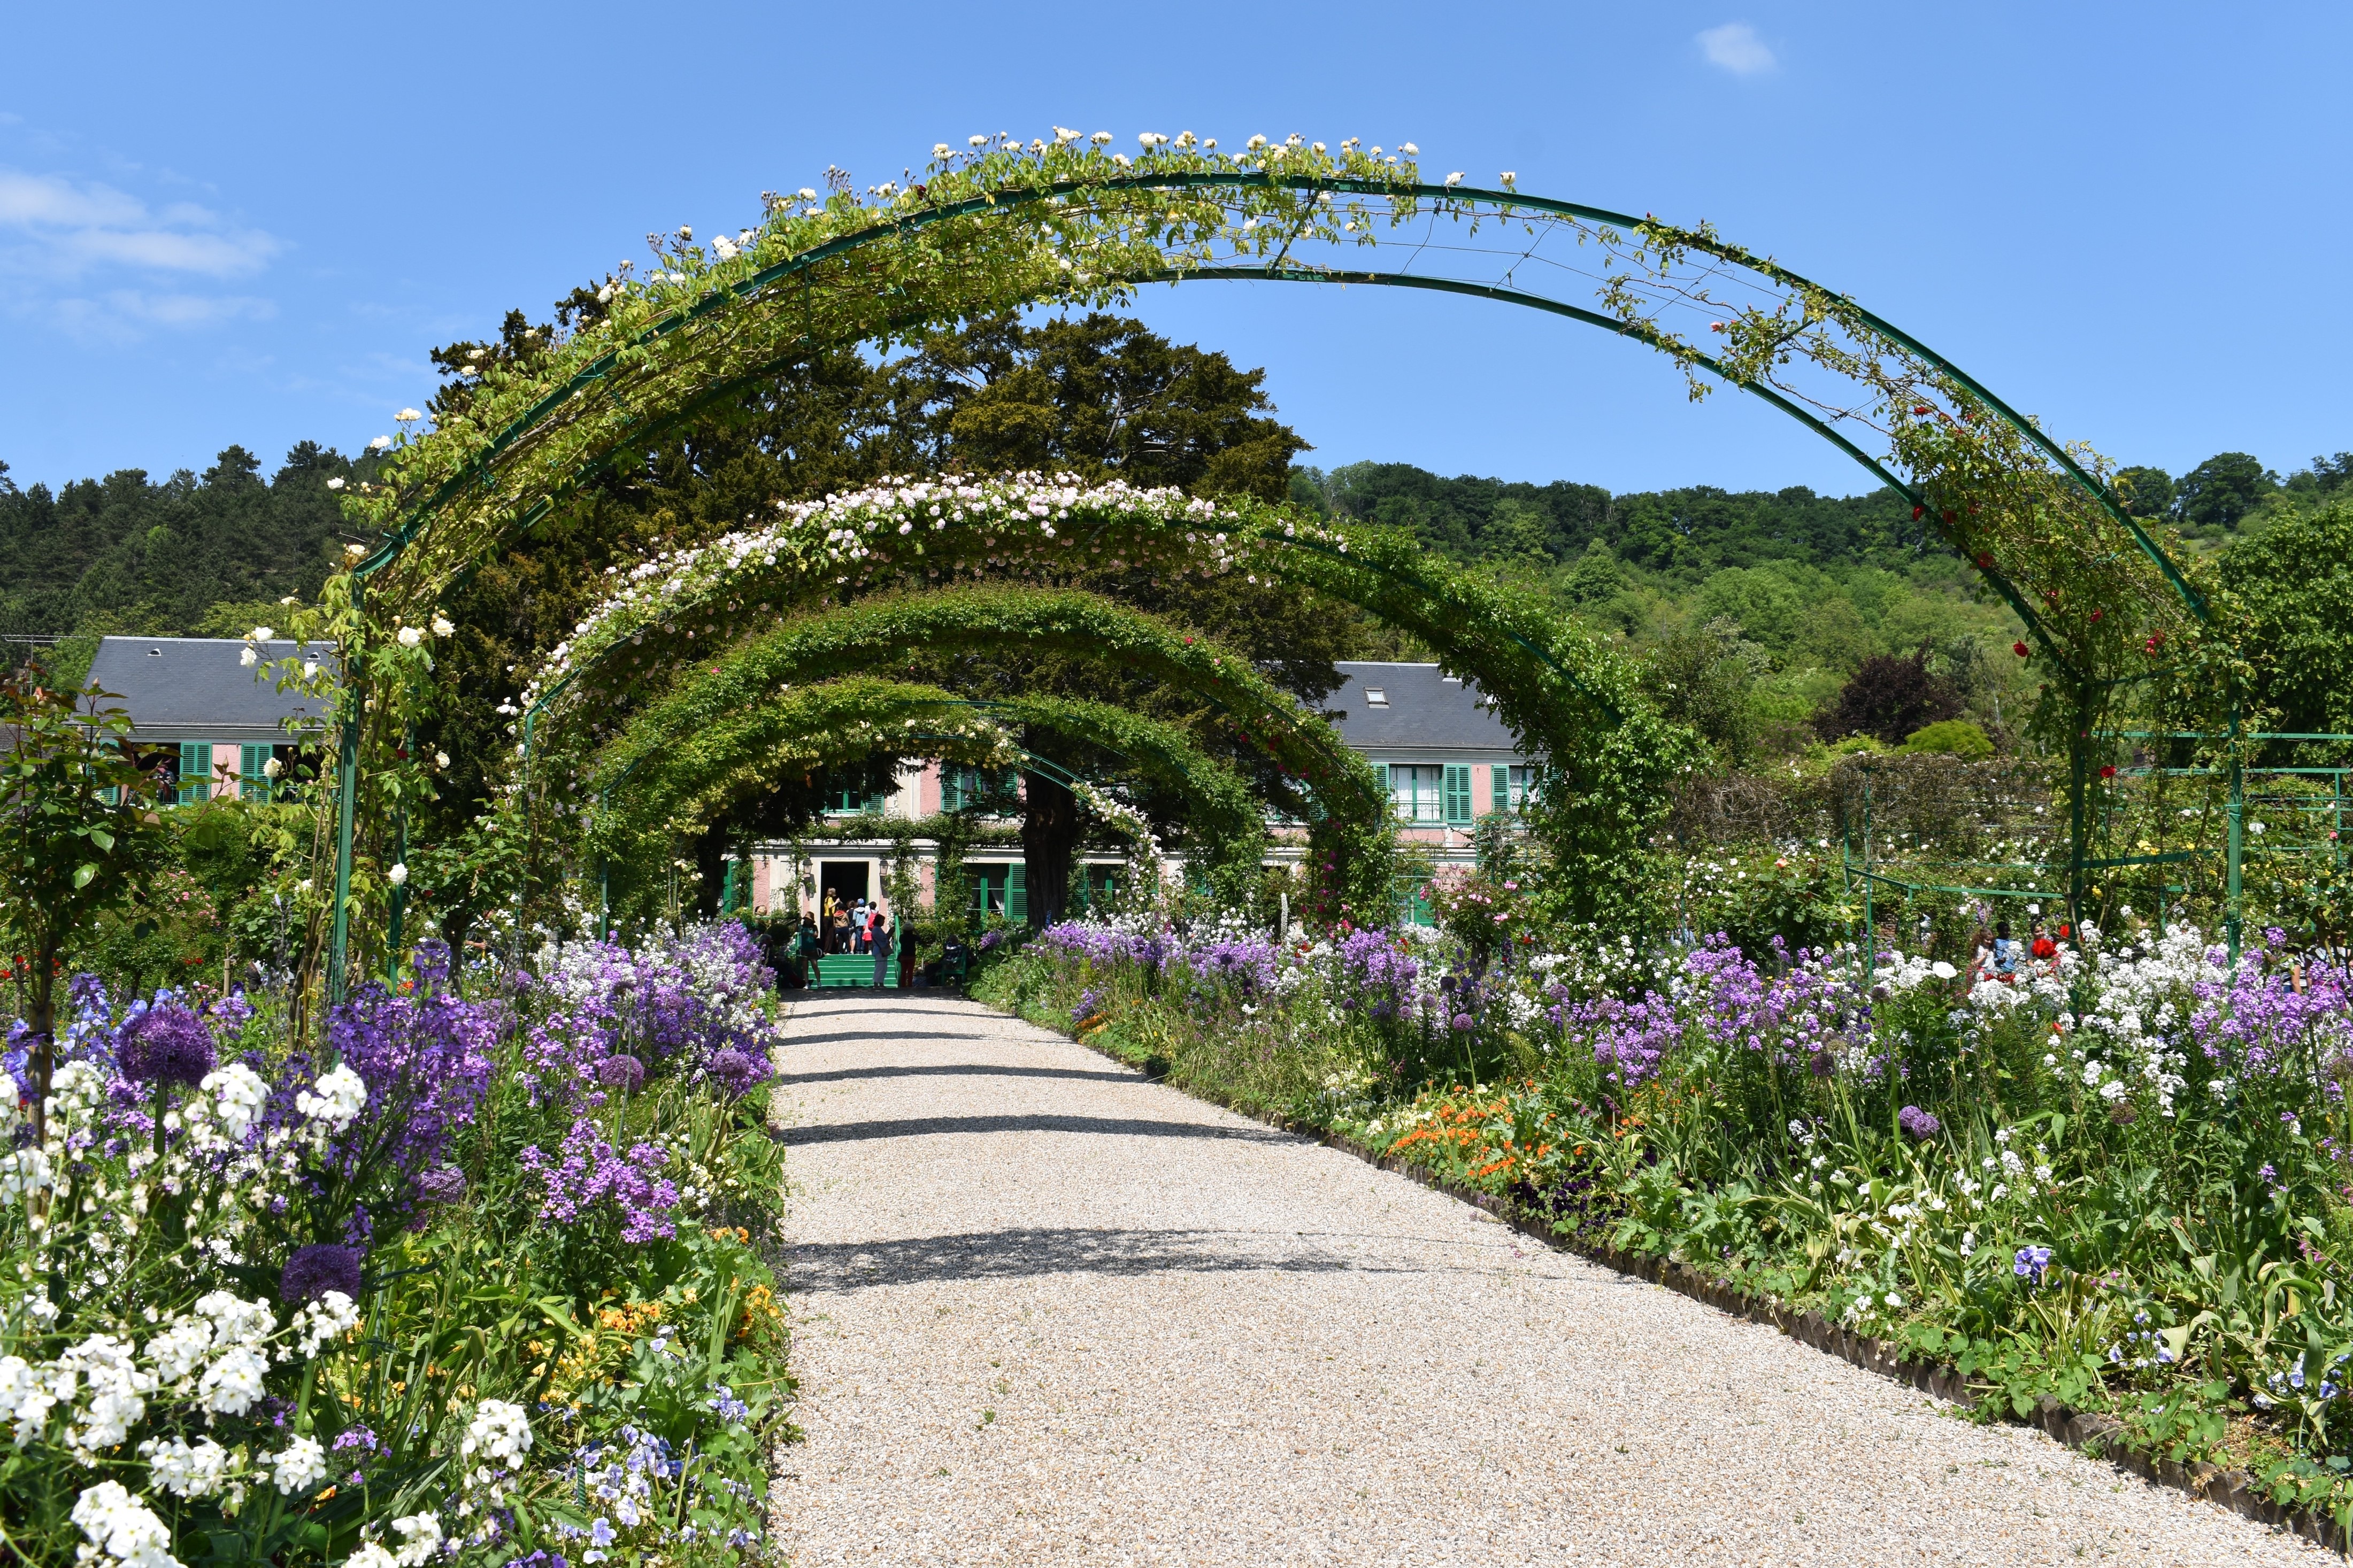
[844,883]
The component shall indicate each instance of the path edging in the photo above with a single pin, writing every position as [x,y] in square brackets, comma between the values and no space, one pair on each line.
[2087,1432]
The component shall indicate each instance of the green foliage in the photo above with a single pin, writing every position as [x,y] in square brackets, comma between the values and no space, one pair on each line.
[1948,738]
[79,829]
[2291,600]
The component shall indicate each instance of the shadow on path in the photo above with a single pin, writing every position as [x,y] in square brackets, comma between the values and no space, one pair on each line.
[958,1069]
[1017,1254]
[918,1127]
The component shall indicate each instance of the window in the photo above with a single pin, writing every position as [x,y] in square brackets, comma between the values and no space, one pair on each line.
[1414,791]
[851,801]
[1376,697]
[252,773]
[961,787]
[195,780]
[1097,885]
[1510,786]
[1458,792]
[1000,891]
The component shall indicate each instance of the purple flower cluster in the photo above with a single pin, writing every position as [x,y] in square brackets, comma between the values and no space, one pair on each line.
[426,1061]
[314,1270]
[2032,1263]
[1376,975]
[1628,1038]
[1917,1124]
[588,1173]
[166,1045]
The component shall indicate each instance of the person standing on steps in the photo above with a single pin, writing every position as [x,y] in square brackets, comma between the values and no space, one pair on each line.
[809,946]
[882,947]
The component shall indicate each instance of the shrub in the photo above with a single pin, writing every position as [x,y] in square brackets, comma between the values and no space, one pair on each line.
[1948,738]
[1889,697]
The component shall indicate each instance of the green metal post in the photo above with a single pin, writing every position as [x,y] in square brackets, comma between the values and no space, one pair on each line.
[2079,762]
[1870,927]
[400,893]
[2234,829]
[347,800]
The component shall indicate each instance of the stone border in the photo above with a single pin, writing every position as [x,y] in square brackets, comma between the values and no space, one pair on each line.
[2084,1431]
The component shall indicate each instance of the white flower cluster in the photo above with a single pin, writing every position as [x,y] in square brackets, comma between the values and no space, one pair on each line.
[121,1531]
[420,1543]
[336,1101]
[492,1452]
[845,531]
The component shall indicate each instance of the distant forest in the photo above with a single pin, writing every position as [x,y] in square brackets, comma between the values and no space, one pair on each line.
[1750,609]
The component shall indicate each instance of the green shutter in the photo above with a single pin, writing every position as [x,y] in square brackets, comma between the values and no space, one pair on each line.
[252,782]
[1457,792]
[1016,892]
[195,772]
[1499,788]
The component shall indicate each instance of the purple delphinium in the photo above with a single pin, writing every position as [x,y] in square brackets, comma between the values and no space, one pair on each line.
[318,1268]
[1376,974]
[622,1074]
[167,1044]
[1918,1123]
[737,1074]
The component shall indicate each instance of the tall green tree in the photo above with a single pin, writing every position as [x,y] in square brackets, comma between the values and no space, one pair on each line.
[2220,490]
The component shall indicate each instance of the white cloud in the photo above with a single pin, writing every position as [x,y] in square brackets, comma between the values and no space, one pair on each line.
[79,252]
[75,227]
[1736,47]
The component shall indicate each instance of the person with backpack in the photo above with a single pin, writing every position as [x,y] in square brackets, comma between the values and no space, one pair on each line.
[881,939]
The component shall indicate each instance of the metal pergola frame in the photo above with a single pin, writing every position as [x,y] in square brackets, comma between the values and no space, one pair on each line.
[1452,199]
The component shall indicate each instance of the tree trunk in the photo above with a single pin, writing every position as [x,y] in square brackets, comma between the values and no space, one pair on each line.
[1050,832]
[710,861]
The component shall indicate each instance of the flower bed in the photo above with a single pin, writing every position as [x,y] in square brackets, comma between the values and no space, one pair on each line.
[2116,1177]
[482,1280]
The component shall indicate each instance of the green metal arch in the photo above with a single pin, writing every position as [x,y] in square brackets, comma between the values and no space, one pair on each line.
[1075,625]
[1451,197]
[700,773]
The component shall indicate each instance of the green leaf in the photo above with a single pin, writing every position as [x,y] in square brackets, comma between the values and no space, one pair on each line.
[83,874]
[101,837]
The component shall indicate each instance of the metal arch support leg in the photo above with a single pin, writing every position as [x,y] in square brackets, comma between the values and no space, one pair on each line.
[347,800]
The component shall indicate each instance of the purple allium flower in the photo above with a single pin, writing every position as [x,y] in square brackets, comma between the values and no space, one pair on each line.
[622,1074]
[446,1185]
[1821,1064]
[1462,1022]
[318,1268]
[1918,1122]
[735,1073]
[167,1044]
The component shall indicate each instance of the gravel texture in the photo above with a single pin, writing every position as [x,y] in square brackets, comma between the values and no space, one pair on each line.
[1045,1312]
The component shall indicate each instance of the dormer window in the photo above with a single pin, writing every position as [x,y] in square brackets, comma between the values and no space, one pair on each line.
[1377,696]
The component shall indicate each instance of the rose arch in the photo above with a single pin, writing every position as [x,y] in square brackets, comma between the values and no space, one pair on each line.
[997,224]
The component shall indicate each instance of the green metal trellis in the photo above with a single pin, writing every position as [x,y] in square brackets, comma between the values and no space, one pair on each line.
[1453,200]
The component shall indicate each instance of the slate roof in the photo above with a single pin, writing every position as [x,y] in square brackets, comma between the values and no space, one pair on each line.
[195,689]
[1427,710]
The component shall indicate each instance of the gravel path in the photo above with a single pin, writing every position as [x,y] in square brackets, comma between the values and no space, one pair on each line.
[1045,1312]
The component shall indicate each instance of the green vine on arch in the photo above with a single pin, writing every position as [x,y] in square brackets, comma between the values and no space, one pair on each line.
[678,781]
[1001,225]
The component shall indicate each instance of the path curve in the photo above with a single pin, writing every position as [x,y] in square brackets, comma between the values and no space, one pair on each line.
[1047,1312]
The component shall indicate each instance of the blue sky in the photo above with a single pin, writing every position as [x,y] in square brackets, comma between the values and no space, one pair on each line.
[249,224]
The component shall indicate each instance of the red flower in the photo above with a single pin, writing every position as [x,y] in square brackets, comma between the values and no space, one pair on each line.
[1985,557]
[2097,614]
[2109,772]
[1917,511]
[2019,648]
